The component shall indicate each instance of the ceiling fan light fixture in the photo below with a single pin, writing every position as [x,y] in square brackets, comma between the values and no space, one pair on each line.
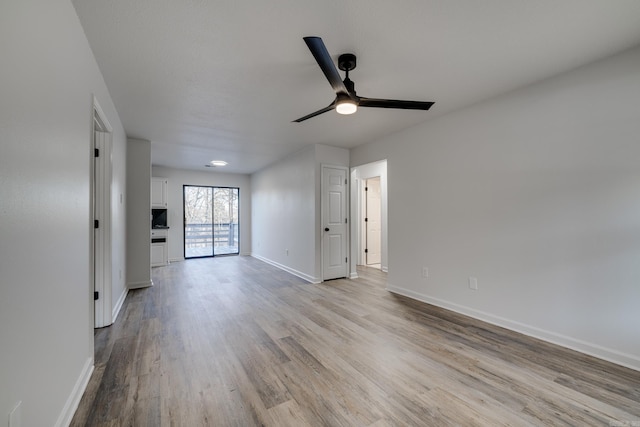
[347,102]
[346,105]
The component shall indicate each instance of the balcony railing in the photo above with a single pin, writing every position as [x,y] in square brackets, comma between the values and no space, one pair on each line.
[200,239]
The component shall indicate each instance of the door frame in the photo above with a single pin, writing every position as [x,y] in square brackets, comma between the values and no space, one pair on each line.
[346,245]
[359,174]
[365,224]
[100,264]
[184,221]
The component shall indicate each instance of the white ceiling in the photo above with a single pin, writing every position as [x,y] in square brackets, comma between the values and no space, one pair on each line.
[207,79]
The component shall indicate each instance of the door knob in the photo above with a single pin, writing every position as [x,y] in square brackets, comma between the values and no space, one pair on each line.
[326,229]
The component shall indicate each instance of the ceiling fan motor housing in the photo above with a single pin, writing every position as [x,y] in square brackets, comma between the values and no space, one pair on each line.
[347,62]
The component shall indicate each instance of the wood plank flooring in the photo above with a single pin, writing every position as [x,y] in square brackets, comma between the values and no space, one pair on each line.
[235,342]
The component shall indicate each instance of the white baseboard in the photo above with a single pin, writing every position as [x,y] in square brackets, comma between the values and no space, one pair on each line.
[295,272]
[353,275]
[73,400]
[384,268]
[118,306]
[138,285]
[595,350]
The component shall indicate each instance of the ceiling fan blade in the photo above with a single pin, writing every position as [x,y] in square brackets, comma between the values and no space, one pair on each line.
[317,113]
[394,103]
[320,53]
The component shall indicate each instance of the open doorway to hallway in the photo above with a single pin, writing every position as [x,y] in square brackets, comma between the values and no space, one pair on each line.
[372,229]
[369,211]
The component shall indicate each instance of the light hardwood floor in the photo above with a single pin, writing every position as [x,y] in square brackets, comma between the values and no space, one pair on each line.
[235,342]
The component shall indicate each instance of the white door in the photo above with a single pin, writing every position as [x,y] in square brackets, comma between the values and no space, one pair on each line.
[373,221]
[334,222]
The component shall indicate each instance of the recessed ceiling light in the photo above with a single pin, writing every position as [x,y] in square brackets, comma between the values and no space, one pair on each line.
[218,163]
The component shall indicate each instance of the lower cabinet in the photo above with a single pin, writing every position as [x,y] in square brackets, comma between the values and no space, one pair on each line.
[159,255]
[159,248]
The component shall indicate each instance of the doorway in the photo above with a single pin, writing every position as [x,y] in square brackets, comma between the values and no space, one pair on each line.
[373,222]
[211,221]
[369,201]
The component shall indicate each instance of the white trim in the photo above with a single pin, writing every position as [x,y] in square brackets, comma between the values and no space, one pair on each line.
[362,225]
[308,278]
[101,257]
[179,259]
[71,405]
[101,114]
[103,261]
[354,212]
[138,285]
[118,306]
[608,354]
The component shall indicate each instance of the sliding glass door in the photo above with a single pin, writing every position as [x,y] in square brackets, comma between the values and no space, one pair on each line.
[211,225]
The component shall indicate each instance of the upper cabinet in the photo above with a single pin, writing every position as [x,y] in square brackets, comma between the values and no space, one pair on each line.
[159,192]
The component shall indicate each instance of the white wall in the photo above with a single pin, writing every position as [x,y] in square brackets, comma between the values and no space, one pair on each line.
[118,222]
[46,308]
[177,178]
[138,213]
[283,214]
[535,193]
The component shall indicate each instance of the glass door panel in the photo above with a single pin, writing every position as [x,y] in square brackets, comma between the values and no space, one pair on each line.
[198,220]
[225,217]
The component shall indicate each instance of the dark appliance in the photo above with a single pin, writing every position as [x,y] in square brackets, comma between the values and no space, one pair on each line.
[158,218]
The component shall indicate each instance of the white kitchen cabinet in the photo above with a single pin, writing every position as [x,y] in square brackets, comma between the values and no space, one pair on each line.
[159,248]
[159,192]
[158,254]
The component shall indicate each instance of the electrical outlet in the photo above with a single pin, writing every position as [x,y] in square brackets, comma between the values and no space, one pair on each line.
[473,283]
[425,272]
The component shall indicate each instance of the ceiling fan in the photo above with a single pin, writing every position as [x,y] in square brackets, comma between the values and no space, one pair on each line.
[347,102]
